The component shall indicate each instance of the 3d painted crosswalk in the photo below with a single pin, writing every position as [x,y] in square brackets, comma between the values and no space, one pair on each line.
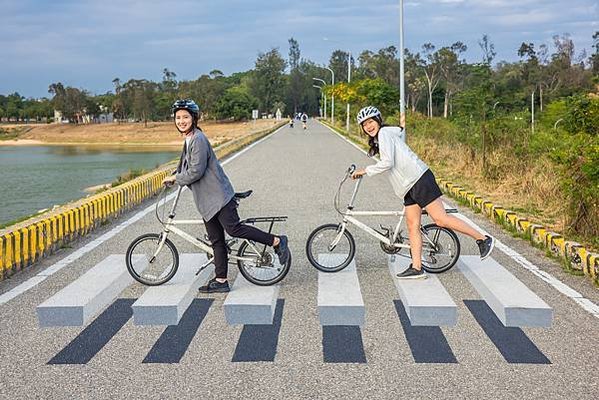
[425,306]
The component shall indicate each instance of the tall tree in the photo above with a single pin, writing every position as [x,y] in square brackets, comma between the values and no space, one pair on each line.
[450,65]
[294,54]
[594,59]
[488,49]
[432,71]
[268,81]
[338,63]
[296,76]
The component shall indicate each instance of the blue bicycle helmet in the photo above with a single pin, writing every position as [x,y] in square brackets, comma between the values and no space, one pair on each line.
[189,105]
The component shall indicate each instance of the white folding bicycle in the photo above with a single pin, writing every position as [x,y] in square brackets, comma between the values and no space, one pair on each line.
[259,266]
[440,246]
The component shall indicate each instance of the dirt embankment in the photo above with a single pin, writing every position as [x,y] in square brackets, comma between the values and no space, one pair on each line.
[155,134]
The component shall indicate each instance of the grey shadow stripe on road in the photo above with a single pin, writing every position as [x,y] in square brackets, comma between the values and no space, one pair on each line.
[93,338]
[428,344]
[512,343]
[342,344]
[259,342]
[174,341]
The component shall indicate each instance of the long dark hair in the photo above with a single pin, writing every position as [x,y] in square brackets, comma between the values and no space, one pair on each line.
[373,142]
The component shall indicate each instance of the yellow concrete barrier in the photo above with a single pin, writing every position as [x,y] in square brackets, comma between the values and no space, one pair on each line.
[2,257]
[578,257]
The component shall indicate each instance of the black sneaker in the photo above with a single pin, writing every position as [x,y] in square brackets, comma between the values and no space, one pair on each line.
[214,286]
[282,250]
[486,246]
[412,273]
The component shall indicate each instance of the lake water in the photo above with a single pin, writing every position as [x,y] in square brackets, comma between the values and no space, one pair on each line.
[37,177]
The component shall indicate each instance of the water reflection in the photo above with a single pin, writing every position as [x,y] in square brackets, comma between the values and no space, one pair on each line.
[38,177]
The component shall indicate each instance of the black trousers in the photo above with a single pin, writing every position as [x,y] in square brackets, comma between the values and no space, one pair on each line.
[227,220]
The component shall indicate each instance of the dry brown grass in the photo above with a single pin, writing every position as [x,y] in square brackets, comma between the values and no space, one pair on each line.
[530,188]
[157,133]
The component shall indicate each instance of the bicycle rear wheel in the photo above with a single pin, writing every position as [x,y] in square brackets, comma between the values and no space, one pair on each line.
[325,256]
[440,248]
[147,267]
[262,269]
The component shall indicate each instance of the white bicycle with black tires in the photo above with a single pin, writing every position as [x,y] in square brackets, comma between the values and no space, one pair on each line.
[257,263]
[440,246]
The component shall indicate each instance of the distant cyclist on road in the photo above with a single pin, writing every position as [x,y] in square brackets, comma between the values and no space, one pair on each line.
[304,119]
[200,170]
[413,181]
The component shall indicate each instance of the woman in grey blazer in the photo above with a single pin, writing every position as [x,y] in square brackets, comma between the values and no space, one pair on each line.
[201,172]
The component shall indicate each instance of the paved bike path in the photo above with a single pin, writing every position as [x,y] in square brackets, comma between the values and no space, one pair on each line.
[296,173]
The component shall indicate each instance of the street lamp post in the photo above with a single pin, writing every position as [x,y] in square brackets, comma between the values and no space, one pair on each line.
[323,95]
[402,97]
[321,98]
[348,81]
[532,111]
[332,96]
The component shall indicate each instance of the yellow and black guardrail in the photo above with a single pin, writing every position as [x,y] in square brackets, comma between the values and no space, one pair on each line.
[574,254]
[578,258]
[23,244]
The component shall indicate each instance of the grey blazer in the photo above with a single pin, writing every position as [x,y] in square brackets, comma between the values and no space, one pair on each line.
[200,170]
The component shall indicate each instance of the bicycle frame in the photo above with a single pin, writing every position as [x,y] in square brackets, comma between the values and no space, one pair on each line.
[169,226]
[349,217]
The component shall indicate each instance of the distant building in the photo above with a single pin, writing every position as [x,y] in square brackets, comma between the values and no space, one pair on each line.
[105,118]
[58,118]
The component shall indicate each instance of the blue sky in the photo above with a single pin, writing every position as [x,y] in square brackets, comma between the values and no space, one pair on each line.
[88,43]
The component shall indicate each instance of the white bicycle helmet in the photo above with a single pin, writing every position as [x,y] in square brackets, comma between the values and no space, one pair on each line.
[369,112]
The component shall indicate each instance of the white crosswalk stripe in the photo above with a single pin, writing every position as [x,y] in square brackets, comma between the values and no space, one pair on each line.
[426,301]
[512,302]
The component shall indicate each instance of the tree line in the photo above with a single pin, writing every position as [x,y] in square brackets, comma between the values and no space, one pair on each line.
[438,82]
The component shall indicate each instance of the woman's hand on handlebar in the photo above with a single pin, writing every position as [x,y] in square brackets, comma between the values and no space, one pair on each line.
[169,181]
[357,174]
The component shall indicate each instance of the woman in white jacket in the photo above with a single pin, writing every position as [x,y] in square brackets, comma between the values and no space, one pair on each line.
[413,182]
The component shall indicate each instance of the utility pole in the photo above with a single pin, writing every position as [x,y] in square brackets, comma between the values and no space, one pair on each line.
[348,81]
[402,97]
[323,95]
[532,108]
[332,96]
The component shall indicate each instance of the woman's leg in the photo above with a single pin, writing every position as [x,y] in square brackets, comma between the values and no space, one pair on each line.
[413,215]
[437,212]
[229,219]
[216,235]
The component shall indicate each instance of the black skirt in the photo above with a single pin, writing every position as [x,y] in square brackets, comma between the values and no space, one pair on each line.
[424,191]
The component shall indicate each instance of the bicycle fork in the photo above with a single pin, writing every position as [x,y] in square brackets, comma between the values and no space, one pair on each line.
[163,236]
[338,237]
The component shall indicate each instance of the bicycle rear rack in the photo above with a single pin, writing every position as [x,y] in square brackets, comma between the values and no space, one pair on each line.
[264,219]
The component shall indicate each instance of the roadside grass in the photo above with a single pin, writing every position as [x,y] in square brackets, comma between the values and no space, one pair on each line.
[11,133]
[21,219]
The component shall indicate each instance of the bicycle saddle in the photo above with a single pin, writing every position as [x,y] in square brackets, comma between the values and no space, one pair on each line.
[243,195]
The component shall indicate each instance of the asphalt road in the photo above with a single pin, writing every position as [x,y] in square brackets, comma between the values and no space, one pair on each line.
[296,173]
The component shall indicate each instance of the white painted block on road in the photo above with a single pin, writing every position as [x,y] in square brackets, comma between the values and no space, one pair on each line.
[339,297]
[249,304]
[426,301]
[514,304]
[77,303]
[166,304]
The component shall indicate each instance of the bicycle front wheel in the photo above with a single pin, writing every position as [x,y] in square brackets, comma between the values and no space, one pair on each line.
[261,268]
[328,249]
[149,266]
[440,248]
